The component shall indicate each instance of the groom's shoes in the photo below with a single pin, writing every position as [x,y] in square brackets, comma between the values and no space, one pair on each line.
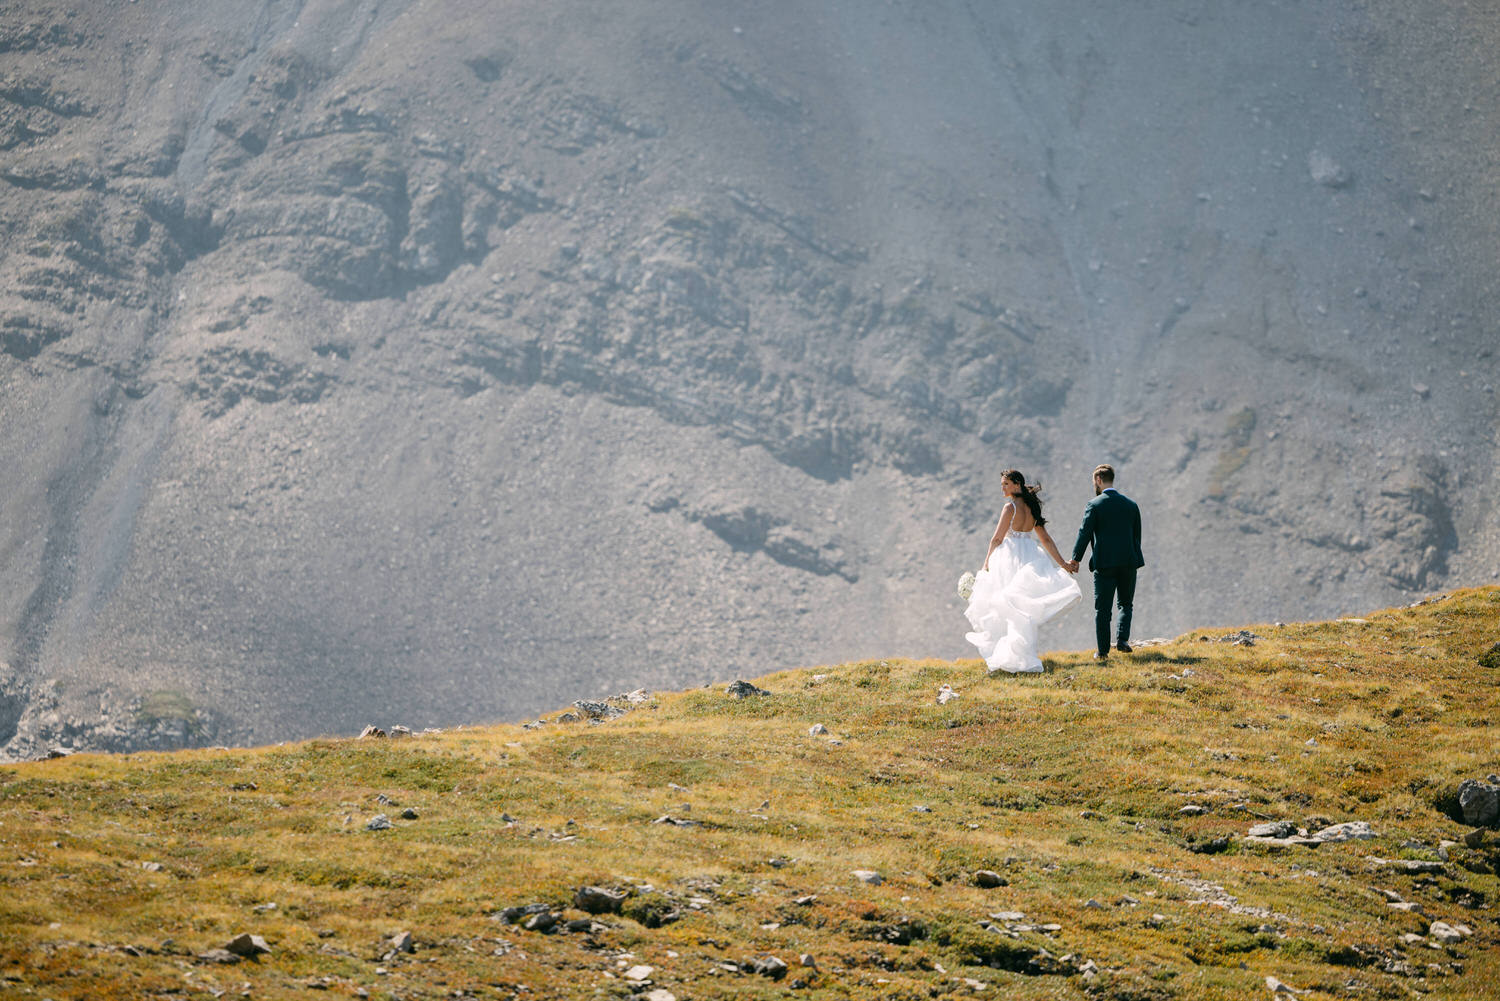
[1123,647]
[1101,658]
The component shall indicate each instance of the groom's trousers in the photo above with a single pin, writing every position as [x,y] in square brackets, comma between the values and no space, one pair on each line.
[1109,585]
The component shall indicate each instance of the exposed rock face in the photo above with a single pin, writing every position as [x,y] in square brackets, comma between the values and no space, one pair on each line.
[364,359]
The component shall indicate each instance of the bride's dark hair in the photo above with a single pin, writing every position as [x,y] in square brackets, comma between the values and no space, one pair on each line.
[1028,493]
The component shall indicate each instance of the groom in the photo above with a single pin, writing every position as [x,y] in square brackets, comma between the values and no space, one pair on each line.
[1112,525]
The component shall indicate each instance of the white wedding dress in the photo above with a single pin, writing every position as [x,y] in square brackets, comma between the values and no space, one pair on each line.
[1020,591]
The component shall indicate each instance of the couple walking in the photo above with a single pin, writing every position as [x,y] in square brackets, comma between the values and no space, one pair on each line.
[1025,580]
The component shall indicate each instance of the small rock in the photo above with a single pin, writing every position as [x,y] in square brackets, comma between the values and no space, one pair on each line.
[1274,829]
[1407,907]
[401,942]
[744,690]
[409,814]
[640,973]
[247,945]
[1446,933]
[511,915]
[400,731]
[869,876]
[371,730]
[945,695]
[1277,987]
[1093,905]
[817,730]
[1191,810]
[1353,830]
[379,822]
[598,900]
[921,809]
[1475,838]
[807,960]
[599,710]
[988,879]
[660,994]
[1408,865]
[1280,843]
[806,901]
[219,956]
[1327,171]
[1391,896]
[543,922]
[770,966]
[152,866]
[1009,917]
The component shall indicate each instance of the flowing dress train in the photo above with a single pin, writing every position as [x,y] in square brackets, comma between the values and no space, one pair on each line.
[1022,589]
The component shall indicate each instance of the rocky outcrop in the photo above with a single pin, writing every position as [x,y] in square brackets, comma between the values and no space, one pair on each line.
[42,721]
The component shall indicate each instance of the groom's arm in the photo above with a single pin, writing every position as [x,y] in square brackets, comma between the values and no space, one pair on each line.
[1085,533]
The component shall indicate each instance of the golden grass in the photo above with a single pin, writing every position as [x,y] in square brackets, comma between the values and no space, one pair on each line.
[1068,784]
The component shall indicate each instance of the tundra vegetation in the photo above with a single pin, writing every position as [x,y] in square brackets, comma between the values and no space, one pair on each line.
[1081,833]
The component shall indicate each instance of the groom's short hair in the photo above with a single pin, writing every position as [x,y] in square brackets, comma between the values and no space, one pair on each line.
[1105,472]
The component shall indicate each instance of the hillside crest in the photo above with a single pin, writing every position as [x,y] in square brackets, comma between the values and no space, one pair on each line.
[1210,816]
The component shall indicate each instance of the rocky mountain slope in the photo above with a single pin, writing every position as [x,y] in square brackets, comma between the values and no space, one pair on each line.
[364,358]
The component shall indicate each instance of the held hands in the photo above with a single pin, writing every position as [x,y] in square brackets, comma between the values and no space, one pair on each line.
[1070,565]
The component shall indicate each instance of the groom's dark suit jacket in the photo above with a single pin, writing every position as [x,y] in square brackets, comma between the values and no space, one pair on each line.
[1112,525]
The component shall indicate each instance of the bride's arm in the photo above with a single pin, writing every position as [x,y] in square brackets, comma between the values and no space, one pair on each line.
[1050,546]
[1005,518]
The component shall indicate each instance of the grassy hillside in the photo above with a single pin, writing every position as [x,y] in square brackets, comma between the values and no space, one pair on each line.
[119,874]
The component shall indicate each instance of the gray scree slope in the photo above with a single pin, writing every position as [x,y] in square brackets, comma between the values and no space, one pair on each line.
[445,361]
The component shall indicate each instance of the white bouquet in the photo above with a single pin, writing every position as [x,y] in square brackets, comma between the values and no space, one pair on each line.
[966,585]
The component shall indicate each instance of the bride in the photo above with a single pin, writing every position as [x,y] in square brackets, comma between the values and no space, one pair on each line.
[1025,582]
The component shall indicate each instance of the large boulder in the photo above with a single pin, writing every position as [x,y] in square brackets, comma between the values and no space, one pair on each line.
[1480,802]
